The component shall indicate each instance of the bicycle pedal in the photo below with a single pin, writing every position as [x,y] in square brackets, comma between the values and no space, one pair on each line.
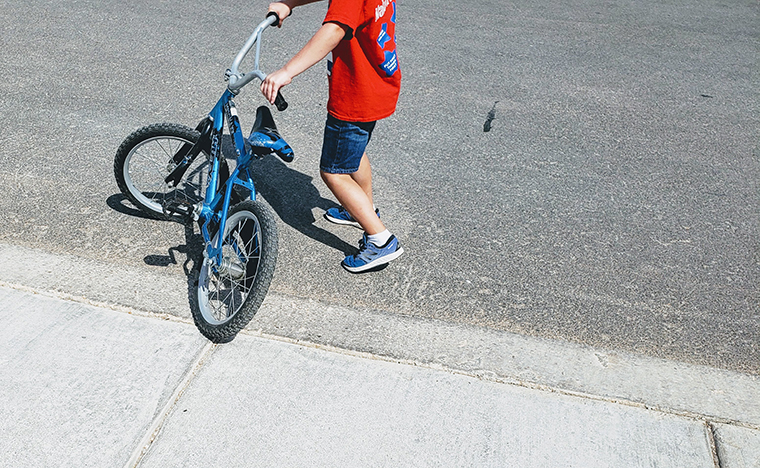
[182,208]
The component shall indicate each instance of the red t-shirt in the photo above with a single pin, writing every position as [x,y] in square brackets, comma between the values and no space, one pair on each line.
[364,73]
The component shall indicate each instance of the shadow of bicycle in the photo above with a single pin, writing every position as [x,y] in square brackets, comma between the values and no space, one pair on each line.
[290,193]
[293,196]
[119,203]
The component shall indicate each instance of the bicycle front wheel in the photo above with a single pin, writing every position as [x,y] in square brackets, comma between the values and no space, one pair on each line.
[144,160]
[230,294]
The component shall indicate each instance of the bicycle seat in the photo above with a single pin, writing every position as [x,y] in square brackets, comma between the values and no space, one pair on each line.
[266,139]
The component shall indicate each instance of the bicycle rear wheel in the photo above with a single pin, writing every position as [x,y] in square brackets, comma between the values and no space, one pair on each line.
[145,158]
[230,294]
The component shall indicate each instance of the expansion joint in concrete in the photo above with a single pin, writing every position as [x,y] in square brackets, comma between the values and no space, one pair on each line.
[153,431]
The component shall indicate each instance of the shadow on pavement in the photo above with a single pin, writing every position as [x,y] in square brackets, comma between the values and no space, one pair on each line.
[118,202]
[293,196]
[290,193]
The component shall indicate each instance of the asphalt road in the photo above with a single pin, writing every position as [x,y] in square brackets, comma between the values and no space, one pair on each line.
[614,201]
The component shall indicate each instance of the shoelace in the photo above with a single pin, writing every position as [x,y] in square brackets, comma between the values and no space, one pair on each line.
[362,243]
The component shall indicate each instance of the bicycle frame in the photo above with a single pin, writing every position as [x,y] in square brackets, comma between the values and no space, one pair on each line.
[211,129]
[210,210]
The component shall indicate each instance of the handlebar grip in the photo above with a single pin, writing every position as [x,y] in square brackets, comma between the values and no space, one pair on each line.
[280,102]
[276,17]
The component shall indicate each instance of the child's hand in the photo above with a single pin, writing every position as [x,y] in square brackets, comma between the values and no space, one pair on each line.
[273,82]
[282,10]
[325,40]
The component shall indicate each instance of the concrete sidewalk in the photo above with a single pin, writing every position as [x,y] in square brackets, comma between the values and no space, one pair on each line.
[87,385]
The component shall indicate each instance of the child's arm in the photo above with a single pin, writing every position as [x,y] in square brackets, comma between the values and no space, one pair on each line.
[323,42]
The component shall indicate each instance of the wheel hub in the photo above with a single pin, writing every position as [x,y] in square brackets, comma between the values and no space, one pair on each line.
[232,268]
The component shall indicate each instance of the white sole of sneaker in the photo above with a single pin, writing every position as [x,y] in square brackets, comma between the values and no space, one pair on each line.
[342,222]
[375,263]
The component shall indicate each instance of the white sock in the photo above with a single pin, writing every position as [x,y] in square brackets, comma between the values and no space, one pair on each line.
[379,239]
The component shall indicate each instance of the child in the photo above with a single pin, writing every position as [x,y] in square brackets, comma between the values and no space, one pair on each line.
[359,36]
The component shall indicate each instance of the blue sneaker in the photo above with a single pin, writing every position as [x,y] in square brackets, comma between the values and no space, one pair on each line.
[341,216]
[371,256]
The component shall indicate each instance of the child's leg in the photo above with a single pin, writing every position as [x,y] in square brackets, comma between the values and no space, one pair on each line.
[350,190]
[363,177]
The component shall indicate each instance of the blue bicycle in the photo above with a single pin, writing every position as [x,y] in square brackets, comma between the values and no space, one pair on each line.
[171,171]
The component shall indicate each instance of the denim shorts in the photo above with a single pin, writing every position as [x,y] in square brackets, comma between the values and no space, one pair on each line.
[344,145]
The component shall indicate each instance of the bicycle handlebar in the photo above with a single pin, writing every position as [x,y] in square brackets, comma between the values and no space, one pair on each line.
[236,79]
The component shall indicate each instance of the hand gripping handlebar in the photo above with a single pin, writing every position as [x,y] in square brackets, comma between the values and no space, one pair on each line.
[237,79]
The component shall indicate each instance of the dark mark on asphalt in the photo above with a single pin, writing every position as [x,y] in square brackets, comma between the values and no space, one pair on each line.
[489,119]
[705,95]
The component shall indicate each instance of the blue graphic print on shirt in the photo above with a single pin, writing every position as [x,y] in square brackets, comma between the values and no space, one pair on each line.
[383,37]
[390,64]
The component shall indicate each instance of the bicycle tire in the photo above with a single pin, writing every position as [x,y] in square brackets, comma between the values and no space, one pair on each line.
[225,304]
[146,154]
